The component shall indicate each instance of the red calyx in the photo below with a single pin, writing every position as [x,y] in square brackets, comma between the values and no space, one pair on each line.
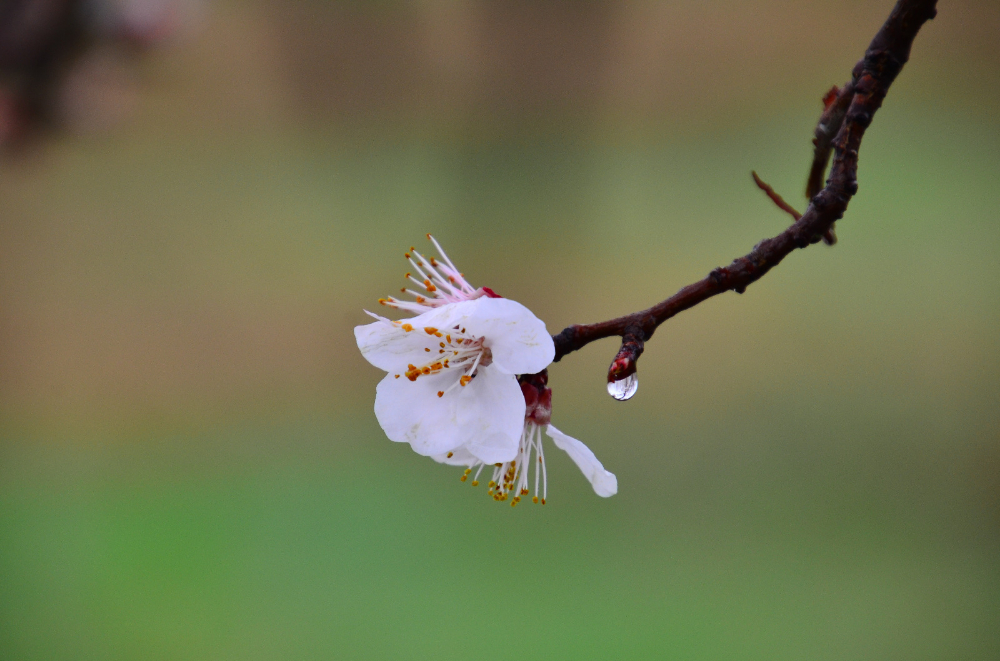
[537,398]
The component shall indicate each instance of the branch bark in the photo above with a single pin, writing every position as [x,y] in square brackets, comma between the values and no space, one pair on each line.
[841,127]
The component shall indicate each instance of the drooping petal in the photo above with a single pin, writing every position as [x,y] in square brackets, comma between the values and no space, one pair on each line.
[489,407]
[516,337]
[392,345]
[605,484]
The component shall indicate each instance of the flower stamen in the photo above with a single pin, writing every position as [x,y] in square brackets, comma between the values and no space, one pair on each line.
[441,281]
[510,479]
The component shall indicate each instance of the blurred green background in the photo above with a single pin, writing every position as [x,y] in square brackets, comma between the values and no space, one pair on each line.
[190,467]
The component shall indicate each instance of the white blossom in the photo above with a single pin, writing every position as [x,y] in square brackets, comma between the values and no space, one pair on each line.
[451,381]
[451,390]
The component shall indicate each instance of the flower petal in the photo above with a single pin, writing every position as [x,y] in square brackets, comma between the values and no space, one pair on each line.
[490,411]
[605,484]
[516,337]
[459,457]
[411,412]
[493,415]
[389,346]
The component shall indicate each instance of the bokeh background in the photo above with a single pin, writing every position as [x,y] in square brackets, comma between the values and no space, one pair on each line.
[190,467]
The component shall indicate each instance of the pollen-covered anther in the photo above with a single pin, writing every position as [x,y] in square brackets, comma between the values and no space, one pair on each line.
[464,381]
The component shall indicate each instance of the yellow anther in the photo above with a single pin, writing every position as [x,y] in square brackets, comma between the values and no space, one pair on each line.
[407,327]
[451,454]
[475,483]
[464,478]
[535,499]
[464,381]
[430,330]
[441,394]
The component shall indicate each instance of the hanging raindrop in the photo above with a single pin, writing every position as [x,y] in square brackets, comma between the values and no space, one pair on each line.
[624,388]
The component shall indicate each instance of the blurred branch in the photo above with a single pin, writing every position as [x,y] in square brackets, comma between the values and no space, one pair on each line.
[848,113]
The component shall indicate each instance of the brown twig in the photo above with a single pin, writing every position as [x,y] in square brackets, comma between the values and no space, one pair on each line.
[835,105]
[859,100]
[777,199]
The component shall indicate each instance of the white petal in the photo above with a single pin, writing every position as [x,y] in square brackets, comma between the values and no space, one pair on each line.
[491,407]
[493,415]
[517,338]
[605,484]
[387,346]
[411,412]
[497,447]
[459,457]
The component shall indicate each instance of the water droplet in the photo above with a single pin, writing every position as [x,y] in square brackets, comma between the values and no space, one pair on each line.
[624,388]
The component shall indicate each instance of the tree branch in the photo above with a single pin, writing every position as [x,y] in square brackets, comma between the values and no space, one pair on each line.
[847,115]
